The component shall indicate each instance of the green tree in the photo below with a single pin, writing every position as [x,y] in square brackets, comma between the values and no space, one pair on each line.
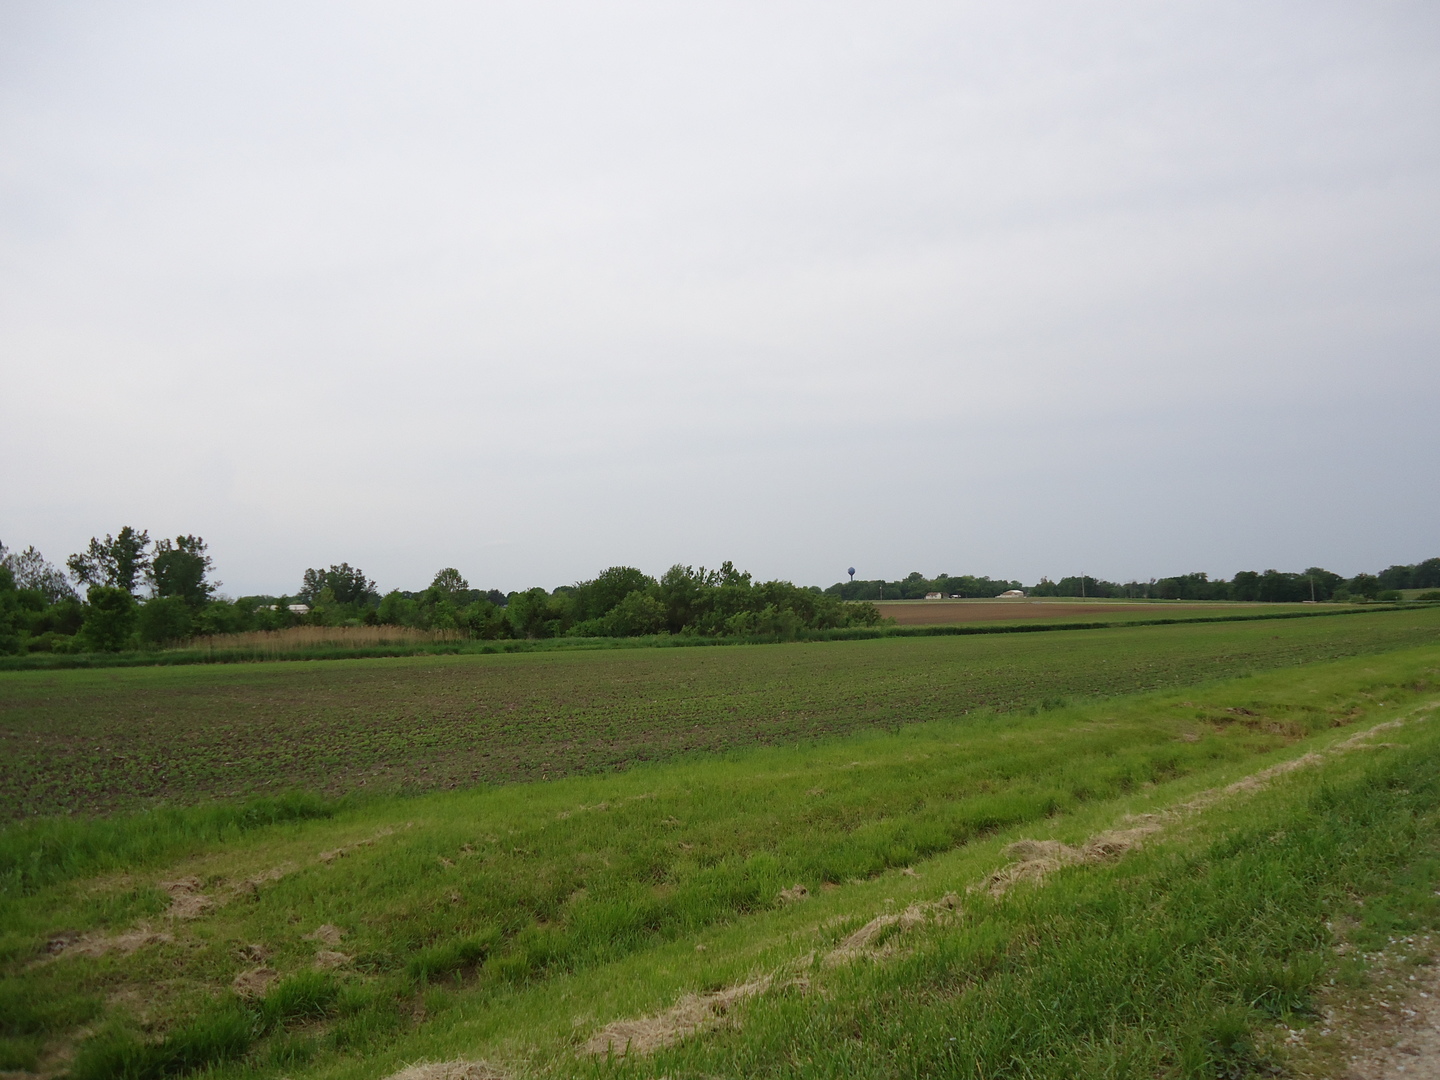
[117,561]
[33,571]
[597,598]
[347,583]
[109,618]
[1245,586]
[164,619]
[533,614]
[448,583]
[1367,585]
[1325,583]
[9,612]
[639,613]
[180,570]
[398,610]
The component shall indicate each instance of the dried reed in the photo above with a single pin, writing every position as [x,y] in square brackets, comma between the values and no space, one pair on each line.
[300,638]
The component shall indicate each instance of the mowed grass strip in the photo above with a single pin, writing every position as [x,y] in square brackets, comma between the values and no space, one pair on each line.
[487,896]
[1188,959]
[105,740]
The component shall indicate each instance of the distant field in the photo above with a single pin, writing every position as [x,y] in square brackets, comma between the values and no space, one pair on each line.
[108,739]
[1066,609]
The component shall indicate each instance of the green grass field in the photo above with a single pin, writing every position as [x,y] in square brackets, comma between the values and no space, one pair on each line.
[122,738]
[827,906]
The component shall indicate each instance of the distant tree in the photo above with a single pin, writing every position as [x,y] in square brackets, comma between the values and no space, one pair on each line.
[1324,581]
[637,614]
[449,582]
[347,583]
[180,570]
[597,598]
[33,571]
[117,561]
[1245,586]
[9,612]
[398,610]
[164,619]
[1366,585]
[531,614]
[1278,588]
[109,618]
[1426,575]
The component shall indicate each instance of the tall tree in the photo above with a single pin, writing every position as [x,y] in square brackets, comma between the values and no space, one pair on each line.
[448,582]
[181,569]
[117,561]
[348,584]
[33,571]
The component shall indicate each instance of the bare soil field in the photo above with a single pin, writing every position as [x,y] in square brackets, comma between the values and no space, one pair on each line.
[954,612]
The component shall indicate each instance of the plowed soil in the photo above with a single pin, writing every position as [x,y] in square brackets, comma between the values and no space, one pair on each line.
[957,612]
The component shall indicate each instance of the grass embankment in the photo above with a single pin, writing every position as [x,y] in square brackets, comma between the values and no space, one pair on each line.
[382,642]
[115,739]
[513,923]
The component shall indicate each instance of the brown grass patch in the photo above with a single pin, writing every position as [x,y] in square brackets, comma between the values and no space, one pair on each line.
[864,942]
[298,638]
[459,1069]
[254,983]
[326,934]
[186,899]
[955,612]
[99,944]
[693,1014]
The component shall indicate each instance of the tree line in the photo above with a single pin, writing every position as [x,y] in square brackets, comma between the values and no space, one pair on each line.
[139,593]
[1272,586]
[143,594]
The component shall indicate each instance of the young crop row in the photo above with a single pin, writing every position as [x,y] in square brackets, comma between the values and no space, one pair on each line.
[115,739]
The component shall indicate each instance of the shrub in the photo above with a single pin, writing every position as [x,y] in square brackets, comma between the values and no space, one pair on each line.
[164,619]
[109,618]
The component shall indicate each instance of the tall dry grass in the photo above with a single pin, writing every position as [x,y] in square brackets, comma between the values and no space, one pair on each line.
[299,638]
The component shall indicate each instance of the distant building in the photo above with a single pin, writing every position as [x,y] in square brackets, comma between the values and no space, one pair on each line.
[934,596]
[1011,594]
[300,609]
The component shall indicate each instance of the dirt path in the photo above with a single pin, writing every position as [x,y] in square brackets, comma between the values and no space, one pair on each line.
[1406,1042]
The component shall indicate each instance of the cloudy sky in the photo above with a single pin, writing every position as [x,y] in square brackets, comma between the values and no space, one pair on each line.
[535,288]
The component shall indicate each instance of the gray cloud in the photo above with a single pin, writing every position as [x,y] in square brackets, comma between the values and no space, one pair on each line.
[535,288]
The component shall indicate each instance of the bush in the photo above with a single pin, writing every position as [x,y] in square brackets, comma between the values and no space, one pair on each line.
[163,620]
[636,615]
[109,619]
[1389,594]
[1433,594]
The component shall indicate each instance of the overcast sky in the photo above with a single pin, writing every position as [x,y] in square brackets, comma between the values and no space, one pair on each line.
[532,289]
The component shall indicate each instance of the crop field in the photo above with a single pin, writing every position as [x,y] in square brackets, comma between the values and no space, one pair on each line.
[1195,881]
[1069,609]
[124,738]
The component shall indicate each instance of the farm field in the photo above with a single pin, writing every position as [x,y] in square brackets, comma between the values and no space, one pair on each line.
[1069,609]
[111,739]
[1188,882]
